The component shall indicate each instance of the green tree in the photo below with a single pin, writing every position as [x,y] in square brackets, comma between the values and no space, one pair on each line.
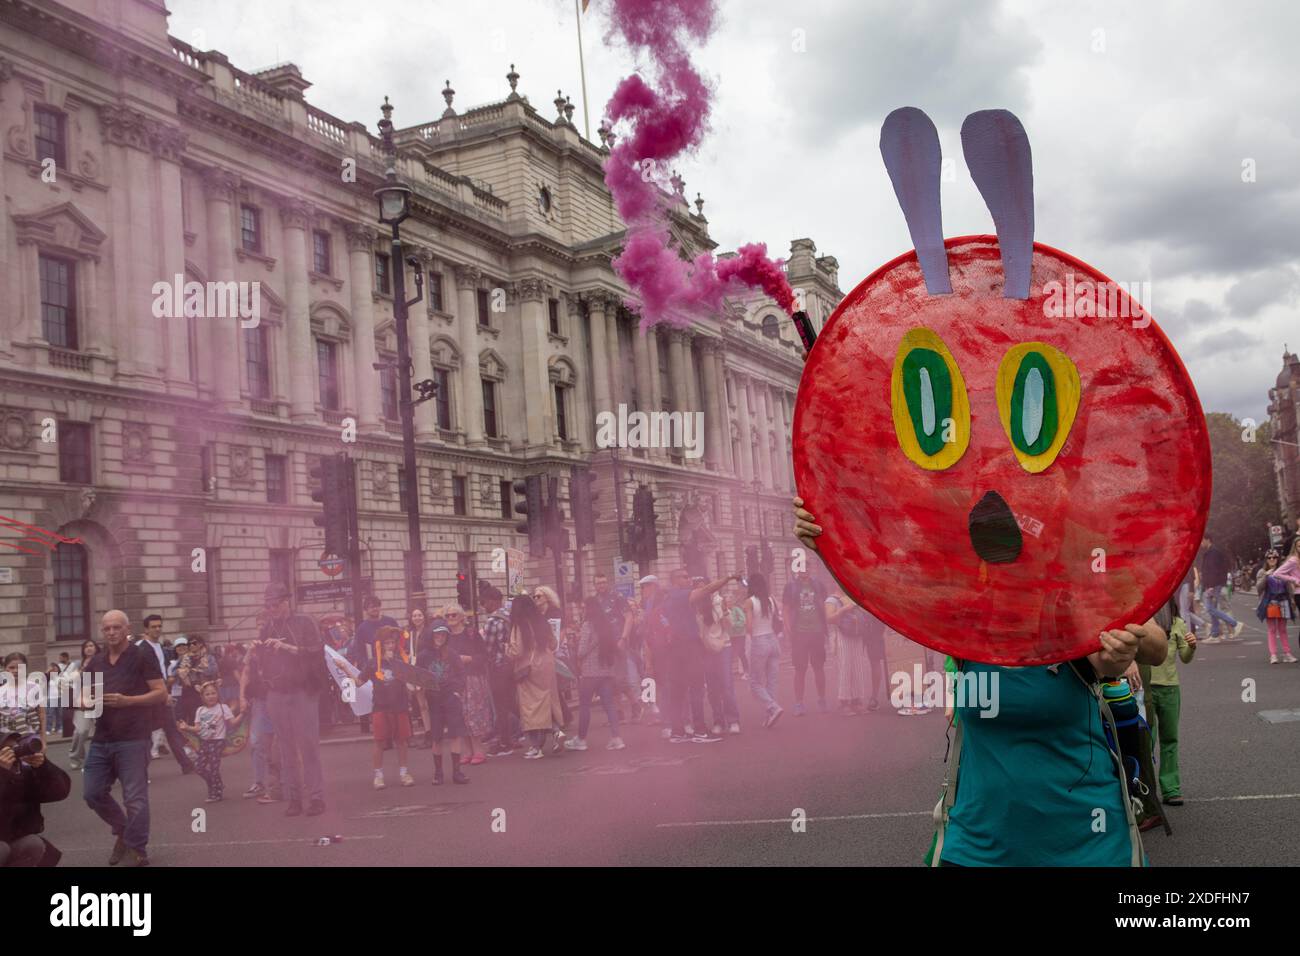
[1244,501]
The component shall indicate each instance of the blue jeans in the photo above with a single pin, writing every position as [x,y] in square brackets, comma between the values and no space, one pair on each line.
[607,688]
[266,757]
[296,716]
[1212,607]
[127,761]
[54,720]
[764,664]
[721,686]
[686,685]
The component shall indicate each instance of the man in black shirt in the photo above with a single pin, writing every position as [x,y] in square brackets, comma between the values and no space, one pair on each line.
[132,686]
[293,669]
[1215,567]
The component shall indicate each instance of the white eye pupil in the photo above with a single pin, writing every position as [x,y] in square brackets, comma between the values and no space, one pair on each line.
[1031,418]
[927,403]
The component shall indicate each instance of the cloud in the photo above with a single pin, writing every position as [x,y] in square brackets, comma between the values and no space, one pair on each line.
[1248,296]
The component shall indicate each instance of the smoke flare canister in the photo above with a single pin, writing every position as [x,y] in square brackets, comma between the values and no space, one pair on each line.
[806,333]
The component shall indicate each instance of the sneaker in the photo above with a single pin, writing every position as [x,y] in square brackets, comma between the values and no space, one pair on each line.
[666,733]
[502,752]
[119,851]
[1174,801]
[558,744]
[1288,659]
[705,739]
[575,743]
[773,716]
[1272,658]
[268,796]
[294,809]
[458,777]
[615,744]
[734,728]
[135,858]
[680,739]
[690,730]
[256,790]
[534,753]
[1236,631]
[1150,823]
[438,779]
[316,809]
[213,800]
[407,780]
[379,784]
[799,710]
[717,730]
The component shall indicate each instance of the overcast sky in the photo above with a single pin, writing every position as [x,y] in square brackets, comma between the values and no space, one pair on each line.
[1140,117]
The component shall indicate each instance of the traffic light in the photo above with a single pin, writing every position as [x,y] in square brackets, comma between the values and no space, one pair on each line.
[582,501]
[331,485]
[644,537]
[464,597]
[529,504]
[557,535]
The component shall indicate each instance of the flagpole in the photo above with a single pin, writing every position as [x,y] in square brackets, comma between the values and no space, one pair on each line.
[582,68]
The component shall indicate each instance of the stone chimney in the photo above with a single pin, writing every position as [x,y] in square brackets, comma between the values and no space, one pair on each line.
[284,78]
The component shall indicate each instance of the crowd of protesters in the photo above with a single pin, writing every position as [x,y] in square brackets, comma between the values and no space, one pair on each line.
[474,686]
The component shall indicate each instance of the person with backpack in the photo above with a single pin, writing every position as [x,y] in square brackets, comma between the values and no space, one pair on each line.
[804,606]
[764,649]
[1036,782]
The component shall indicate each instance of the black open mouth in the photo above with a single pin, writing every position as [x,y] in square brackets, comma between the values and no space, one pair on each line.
[994,534]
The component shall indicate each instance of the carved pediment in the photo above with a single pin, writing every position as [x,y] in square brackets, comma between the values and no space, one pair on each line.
[64,227]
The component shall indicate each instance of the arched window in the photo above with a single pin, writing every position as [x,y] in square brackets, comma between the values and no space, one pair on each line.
[71,593]
[771,326]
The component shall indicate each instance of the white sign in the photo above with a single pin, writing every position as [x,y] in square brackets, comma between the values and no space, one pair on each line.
[360,697]
[515,560]
[624,579]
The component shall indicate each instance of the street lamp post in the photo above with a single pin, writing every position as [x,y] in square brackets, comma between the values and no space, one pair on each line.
[394,206]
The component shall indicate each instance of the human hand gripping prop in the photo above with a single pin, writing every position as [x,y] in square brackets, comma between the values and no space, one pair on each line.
[1004,452]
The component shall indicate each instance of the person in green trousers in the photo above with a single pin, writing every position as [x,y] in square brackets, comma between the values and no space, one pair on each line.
[1163,700]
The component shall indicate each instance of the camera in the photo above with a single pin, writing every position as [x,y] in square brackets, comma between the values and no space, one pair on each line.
[27,745]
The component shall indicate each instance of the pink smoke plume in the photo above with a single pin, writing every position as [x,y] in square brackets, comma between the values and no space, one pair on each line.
[667,121]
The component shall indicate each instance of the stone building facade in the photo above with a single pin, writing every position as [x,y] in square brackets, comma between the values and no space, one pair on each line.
[1283,414]
[157,459]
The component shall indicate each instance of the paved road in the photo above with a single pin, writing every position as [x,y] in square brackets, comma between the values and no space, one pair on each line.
[866,784]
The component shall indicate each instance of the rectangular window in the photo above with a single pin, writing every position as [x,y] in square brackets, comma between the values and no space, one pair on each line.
[74,453]
[51,141]
[506,502]
[276,489]
[257,361]
[388,382]
[328,374]
[206,471]
[561,418]
[320,252]
[435,291]
[58,302]
[484,317]
[282,567]
[403,490]
[489,408]
[665,373]
[383,276]
[553,313]
[442,400]
[458,483]
[250,228]
[71,593]
[214,585]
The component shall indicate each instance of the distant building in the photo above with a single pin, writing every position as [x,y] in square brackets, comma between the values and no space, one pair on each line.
[1283,413]
[131,159]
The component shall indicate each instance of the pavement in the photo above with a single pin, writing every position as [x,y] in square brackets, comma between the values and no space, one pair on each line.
[866,786]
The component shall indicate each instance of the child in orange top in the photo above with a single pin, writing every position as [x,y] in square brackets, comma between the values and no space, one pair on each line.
[391,716]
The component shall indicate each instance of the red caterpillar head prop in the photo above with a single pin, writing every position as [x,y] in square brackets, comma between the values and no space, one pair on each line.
[1004,450]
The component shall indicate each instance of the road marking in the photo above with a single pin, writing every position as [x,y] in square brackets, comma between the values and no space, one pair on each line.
[786,820]
[930,813]
[302,840]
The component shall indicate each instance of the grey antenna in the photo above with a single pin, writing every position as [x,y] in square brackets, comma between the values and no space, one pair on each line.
[997,155]
[909,144]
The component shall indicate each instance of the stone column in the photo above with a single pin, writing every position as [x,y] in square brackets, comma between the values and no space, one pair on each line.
[598,301]
[145,331]
[641,365]
[295,217]
[471,389]
[584,411]
[536,384]
[763,409]
[361,248]
[726,459]
[617,370]
[219,187]
[417,324]
[746,446]
[713,405]
[656,388]
[172,253]
[694,401]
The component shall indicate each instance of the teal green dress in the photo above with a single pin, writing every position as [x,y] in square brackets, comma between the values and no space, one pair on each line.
[1036,782]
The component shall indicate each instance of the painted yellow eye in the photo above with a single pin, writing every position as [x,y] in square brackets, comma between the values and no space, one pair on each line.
[1038,397]
[928,396]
